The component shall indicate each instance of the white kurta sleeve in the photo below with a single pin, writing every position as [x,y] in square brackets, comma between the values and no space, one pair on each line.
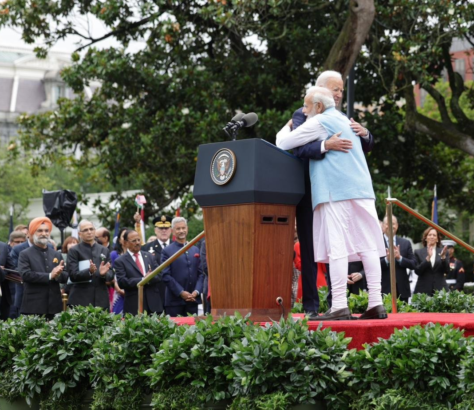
[311,130]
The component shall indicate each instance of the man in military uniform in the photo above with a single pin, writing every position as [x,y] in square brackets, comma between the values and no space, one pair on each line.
[456,277]
[163,232]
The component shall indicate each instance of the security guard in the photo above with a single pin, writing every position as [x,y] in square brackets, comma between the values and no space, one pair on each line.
[456,277]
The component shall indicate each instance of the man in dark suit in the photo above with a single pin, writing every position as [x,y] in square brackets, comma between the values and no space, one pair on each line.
[304,211]
[15,254]
[5,296]
[88,265]
[184,278]
[42,270]
[162,226]
[130,269]
[404,259]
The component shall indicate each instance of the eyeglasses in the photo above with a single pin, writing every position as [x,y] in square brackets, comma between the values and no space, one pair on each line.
[88,230]
[135,241]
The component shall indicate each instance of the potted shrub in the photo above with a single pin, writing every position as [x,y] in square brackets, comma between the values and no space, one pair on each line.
[121,356]
[54,364]
[13,335]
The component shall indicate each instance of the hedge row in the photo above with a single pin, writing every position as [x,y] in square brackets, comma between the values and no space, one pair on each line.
[253,367]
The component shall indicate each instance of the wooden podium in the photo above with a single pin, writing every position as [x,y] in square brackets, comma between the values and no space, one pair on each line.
[248,191]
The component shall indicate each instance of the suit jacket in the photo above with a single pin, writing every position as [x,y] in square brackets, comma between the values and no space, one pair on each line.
[360,284]
[430,278]
[15,252]
[129,275]
[185,273]
[408,262]
[6,262]
[41,295]
[83,292]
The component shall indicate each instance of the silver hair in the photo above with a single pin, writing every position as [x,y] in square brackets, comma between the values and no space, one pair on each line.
[177,220]
[323,78]
[321,95]
[83,222]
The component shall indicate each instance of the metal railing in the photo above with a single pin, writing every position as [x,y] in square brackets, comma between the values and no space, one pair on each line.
[390,202]
[165,264]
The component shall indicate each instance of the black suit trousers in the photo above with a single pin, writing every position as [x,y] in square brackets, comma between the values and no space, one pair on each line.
[309,269]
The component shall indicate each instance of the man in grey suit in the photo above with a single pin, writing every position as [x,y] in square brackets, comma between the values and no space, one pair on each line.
[404,259]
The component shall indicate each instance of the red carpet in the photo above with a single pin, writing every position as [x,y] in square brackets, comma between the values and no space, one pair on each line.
[368,331]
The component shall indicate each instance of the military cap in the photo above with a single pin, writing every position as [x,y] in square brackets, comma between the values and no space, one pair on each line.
[163,221]
[448,243]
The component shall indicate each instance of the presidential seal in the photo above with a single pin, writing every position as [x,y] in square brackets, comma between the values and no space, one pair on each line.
[223,166]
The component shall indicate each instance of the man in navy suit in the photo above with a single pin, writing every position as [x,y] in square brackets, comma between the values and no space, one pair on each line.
[184,277]
[404,259]
[316,150]
[130,269]
[5,297]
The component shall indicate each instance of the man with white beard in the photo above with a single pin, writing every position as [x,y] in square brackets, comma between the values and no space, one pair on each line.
[42,270]
[316,150]
[345,222]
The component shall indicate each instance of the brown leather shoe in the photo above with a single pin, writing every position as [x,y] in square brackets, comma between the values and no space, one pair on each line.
[377,312]
[340,314]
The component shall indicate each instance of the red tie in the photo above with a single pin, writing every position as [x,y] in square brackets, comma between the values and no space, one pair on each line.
[139,264]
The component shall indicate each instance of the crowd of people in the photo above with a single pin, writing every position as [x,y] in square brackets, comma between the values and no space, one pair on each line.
[426,270]
[341,241]
[91,270]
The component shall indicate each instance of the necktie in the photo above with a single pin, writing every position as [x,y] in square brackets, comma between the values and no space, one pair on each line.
[137,261]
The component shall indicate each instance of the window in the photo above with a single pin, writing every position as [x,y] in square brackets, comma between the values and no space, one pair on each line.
[58,92]
[460,67]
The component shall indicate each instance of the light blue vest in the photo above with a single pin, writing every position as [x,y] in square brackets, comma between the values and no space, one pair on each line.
[340,176]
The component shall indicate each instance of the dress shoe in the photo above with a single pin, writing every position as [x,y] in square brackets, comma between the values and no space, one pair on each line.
[311,315]
[340,314]
[377,312]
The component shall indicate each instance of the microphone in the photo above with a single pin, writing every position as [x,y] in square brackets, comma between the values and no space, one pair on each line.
[240,120]
[238,117]
[247,120]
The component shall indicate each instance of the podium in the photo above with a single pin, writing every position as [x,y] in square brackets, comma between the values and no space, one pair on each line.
[248,191]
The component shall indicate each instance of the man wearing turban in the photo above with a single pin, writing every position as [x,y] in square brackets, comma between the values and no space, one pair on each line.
[42,270]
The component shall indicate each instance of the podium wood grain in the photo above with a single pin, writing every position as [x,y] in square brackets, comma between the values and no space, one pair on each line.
[250,258]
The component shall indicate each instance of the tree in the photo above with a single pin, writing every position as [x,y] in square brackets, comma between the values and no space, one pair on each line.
[17,186]
[203,61]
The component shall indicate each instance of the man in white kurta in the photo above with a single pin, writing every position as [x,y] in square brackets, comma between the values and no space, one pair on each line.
[345,223]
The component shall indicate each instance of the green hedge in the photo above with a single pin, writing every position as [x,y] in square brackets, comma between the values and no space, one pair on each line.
[252,367]
[441,302]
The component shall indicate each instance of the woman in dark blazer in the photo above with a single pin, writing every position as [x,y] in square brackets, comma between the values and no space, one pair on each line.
[431,264]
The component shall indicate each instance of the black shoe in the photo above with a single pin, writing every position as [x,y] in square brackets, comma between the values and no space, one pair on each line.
[377,312]
[311,315]
[340,314]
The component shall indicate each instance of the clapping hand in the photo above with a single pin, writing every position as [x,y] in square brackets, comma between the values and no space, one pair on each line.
[443,252]
[92,268]
[57,270]
[104,268]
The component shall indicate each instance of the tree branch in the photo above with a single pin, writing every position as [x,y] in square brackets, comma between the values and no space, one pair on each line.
[437,96]
[456,83]
[448,134]
[122,29]
[347,47]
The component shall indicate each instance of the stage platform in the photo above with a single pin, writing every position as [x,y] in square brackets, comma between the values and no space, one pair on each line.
[368,331]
